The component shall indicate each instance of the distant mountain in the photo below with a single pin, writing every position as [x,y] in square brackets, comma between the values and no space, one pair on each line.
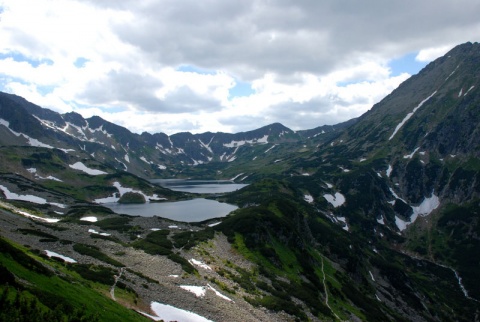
[147,155]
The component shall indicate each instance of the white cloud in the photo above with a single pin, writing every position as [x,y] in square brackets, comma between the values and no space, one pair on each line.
[429,54]
[307,63]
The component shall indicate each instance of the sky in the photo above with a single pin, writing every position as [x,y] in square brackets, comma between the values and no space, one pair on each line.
[222,66]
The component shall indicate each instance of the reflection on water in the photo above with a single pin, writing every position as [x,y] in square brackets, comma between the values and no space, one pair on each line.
[189,210]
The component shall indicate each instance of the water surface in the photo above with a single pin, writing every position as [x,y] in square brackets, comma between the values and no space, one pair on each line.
[193,210]
[199,186]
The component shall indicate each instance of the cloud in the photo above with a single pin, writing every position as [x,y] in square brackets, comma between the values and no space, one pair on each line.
[177,65]
[429,54]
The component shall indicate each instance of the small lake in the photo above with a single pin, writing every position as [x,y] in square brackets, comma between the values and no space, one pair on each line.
[199,186]
[194,210]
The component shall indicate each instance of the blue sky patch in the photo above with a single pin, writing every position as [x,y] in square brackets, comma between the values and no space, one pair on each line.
[241,89]
[406,64]
[80,62]
[194,69]
[19,57]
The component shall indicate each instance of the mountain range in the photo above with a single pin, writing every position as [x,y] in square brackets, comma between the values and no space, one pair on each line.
[374,219]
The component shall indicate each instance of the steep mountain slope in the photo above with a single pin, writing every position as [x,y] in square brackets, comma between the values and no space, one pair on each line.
[403,182]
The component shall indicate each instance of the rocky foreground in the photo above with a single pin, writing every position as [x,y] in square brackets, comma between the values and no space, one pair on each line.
[209,292]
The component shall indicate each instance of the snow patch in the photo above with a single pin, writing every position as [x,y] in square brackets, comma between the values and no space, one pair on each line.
[238,175]
[308,198]
[82,167]
[122,190]
[424,209]
[199,264]
[217,293]
[65,258]
[93,231]
[268,150]
[170,313]
[89,219]
[234,144]
[469,90]
[214,224]
[371,275]
[344,220]
[337,200]
[389,170]
[381,221]
[409,156]
[199,291]
[409,115]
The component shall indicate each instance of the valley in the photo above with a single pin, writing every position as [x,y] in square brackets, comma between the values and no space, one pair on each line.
[374,219]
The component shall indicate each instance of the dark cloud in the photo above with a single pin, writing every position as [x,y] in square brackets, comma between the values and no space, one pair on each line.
[254,37]
[137,91]
[122,87]
[184,100]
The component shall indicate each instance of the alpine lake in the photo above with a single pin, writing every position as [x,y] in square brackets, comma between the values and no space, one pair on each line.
[193,210]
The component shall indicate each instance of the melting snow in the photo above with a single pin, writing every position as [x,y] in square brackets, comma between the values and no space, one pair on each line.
[238,175]
[344,220]
[308,198]
[123,190]
[199,264]
[409,156]
[31,141]
[409,115]
[26,214]
[199,291]
[214,224]
[30,198]
[234,144]
[90,219]
[270,148]
[170,313]
[389,170]
[381,221]
[336,200]
[82,167]
[468,90]
[371,275]
[65,258]
[93,231]
[424,209]
[217,293]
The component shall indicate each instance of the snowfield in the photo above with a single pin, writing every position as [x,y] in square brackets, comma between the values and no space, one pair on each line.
[170,313]
[65,258]
[82,167]
[337,200]
[424,209]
